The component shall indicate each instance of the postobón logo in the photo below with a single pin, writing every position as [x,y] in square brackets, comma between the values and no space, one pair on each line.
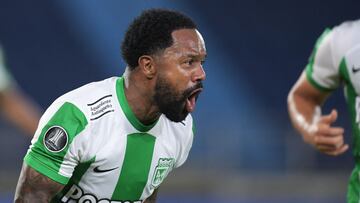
[77,194]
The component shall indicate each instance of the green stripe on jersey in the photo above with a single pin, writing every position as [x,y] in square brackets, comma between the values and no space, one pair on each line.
[120,91]
[135,168]
[310,67]
[70,118]
[79,171]
[351,95]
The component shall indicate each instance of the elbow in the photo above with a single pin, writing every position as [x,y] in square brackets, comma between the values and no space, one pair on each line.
[290,98]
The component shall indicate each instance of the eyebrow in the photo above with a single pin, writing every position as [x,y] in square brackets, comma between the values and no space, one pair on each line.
[195,56]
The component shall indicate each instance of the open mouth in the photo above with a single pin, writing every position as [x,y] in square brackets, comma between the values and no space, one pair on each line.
[191,100]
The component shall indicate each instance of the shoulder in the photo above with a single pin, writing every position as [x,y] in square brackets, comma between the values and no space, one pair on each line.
[93,98]
[86,93]
[336,42]
[348,27]
[81,105]
[74,111]
[346,36]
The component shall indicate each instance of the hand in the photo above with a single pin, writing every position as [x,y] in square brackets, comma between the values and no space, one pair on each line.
[326,138]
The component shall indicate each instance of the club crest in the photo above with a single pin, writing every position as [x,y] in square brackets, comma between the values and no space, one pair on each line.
[163,168]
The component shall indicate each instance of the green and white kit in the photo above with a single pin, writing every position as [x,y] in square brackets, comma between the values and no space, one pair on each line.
[335,61]
[90,140]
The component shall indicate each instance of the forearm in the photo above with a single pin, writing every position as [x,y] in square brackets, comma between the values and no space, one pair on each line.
[35,187]
[20,111]
[304,102]
[303,112]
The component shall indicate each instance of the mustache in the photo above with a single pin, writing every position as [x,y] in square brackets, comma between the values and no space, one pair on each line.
[191,89]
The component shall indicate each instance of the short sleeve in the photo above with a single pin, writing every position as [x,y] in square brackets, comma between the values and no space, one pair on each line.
[321,70]
[52,150]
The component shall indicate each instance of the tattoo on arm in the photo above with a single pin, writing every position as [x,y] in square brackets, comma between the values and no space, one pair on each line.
[152,198]
[35,187]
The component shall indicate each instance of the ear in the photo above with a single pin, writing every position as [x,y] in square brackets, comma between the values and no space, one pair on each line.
[147,66]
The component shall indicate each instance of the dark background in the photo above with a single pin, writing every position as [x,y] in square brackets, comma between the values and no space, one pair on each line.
[256,51]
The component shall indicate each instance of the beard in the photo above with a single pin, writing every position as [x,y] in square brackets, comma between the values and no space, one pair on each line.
[172,102]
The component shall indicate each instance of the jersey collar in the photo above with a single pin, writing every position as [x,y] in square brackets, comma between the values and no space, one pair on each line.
[120,91]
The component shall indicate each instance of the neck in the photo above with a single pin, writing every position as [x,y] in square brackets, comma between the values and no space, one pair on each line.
[139,94]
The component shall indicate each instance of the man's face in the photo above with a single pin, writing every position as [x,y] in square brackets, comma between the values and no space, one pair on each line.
[180,74]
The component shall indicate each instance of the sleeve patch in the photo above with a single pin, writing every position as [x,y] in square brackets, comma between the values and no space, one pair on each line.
[55,139]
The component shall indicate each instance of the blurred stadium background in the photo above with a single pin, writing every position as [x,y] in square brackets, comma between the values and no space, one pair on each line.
[245,150]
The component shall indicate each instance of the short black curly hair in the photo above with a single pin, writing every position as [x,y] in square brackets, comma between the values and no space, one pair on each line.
[151,32]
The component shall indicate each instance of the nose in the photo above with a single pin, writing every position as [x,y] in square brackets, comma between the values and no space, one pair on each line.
[199,74]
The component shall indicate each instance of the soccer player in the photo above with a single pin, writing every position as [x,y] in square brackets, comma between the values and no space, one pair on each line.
[14,104]
[117,139]
[334,61]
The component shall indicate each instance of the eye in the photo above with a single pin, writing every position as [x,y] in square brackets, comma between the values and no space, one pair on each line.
[190,62]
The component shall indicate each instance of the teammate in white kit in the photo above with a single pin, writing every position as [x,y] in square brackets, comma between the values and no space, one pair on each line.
[117,139]
[335,61]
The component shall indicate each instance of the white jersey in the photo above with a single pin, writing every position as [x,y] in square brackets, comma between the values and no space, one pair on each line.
[4,75]
[335,61]
[90,140]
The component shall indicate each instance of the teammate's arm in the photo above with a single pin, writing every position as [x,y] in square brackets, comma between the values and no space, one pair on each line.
[304,103]
[19,110]
[152,198]
[35,187]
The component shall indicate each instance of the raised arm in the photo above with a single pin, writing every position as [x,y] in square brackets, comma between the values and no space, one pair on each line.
[304,102]
[35,187]
[19,110]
